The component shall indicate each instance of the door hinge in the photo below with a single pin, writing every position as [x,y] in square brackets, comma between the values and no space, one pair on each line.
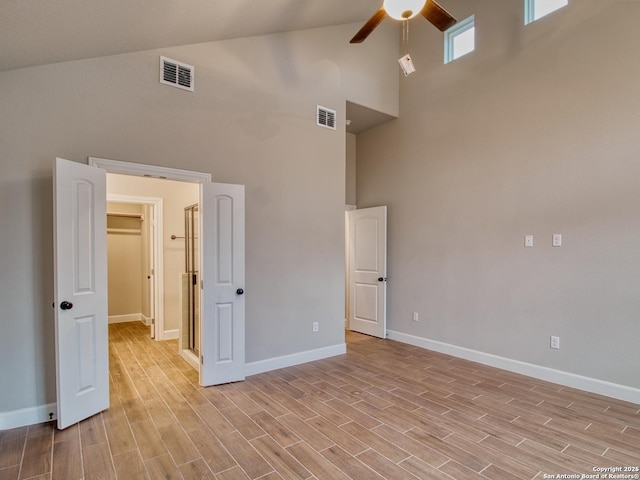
[202,359]
[201,284]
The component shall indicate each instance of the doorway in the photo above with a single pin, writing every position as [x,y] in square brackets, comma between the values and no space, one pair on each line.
[220,245]
[139,247]
[167,199]
[80,279]
[366,254]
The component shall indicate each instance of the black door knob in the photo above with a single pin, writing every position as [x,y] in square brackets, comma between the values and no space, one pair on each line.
[239,291]
[382,279]
[66,305]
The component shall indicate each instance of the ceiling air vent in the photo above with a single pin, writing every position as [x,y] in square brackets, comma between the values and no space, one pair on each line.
[326,118]
[176,74]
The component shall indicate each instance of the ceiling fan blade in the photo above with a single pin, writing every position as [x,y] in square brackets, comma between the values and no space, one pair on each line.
[437,15]
[369,26]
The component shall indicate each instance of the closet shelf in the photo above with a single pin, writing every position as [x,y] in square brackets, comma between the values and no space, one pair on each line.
[139,216]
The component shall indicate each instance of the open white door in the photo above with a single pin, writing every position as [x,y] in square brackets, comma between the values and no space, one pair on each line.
[80,268]
[368,271]
[222,273]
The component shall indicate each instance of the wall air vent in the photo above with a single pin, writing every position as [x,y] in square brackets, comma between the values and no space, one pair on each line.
[176,74]
[326,118]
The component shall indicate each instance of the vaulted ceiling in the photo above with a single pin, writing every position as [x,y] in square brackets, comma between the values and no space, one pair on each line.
[37,32]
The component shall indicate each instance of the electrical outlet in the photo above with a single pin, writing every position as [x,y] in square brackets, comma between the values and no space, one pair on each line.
[555,343]
[415,317]
[316,327]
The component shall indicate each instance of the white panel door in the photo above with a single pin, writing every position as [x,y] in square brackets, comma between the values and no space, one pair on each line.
[222,299]
[368,271]
[80,266]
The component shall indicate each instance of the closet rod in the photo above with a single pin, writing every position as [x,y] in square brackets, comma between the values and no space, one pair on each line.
[173,237]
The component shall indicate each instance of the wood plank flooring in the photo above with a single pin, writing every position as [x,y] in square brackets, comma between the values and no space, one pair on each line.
[383,410]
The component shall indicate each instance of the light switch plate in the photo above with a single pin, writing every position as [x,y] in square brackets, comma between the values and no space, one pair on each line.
[556,240]
[528,240]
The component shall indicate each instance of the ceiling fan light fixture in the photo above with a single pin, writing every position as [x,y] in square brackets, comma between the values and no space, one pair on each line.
[403,9]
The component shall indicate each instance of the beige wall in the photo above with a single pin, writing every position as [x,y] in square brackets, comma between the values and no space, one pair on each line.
[536,132]
[250,121]
[350,197]
[125,254]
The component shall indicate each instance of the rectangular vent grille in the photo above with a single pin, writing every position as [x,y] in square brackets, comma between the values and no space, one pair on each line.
[326,118]
[176,74]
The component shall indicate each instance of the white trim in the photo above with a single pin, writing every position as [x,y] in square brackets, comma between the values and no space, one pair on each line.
[142,170]
[191,358]
[275,363]
[146,320]
[530,7]
[614,390]
[450,35]
[157,209]
[131,317]
[170,334]
[28,416]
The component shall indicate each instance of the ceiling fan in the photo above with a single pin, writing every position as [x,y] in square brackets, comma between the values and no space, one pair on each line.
[405,10]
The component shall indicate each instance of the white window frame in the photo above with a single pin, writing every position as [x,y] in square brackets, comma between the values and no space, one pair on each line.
[530,10]
[450,35]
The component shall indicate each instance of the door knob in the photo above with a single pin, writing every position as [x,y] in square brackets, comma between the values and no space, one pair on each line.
[66,305]
[382,279]
[239,291]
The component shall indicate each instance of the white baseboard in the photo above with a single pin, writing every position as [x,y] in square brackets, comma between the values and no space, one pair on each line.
[28,416]
[191,358]
[131,317]
[269,364]
[146,320]
[614,390]
[171,334]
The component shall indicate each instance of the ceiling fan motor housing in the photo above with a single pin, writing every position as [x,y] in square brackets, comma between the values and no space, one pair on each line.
[403,9]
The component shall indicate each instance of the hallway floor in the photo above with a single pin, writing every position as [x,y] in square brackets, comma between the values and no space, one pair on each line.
[383,410]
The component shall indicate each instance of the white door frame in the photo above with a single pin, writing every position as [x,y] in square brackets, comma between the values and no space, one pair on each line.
[142,170]
[347,270]
[164,173]
[157,245]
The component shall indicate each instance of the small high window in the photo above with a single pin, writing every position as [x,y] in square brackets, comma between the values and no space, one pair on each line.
[460,39]
[535,9]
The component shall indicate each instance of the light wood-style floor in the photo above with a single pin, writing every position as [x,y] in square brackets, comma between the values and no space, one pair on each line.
[383,410]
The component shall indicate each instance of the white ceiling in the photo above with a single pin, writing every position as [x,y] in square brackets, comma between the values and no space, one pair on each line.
[37,32]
